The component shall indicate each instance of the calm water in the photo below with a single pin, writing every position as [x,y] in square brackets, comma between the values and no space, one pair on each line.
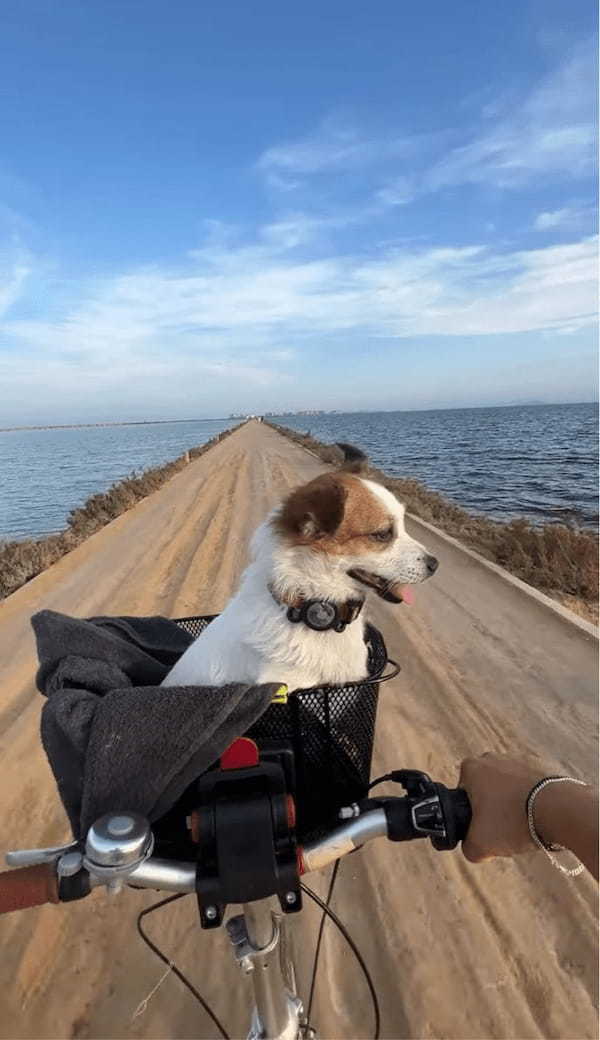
[45,473]
[540,462]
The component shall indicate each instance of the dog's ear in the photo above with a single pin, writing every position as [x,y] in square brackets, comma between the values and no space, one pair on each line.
[313,510]
[355,460]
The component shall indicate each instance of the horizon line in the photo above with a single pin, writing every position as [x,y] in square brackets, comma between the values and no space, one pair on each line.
[308,413]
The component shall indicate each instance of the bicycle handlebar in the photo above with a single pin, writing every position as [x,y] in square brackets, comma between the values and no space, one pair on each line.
[444,817]
[28,886]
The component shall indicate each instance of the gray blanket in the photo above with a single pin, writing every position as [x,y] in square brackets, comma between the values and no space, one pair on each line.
[115,738]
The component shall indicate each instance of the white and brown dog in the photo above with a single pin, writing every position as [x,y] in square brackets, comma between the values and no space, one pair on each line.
[296,618]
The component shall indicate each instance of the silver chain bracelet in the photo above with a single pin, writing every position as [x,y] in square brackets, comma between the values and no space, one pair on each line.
[549,849]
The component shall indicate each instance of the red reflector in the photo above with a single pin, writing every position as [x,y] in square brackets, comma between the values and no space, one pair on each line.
[291,812]
[241,754]
[195,827]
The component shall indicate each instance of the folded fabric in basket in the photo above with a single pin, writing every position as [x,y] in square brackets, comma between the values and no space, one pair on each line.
[115,738]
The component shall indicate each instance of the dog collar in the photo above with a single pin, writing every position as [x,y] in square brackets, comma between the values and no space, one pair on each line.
[321,615]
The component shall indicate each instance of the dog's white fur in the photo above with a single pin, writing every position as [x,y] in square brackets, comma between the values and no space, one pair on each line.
[252,641]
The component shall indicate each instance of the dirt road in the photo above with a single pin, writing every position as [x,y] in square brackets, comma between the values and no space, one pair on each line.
[500,950]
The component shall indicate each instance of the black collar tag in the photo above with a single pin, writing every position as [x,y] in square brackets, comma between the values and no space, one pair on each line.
[322,615]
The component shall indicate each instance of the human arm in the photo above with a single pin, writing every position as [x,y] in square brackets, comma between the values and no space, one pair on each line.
[498,785]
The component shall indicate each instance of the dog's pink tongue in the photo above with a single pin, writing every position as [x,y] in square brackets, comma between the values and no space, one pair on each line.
[407,594]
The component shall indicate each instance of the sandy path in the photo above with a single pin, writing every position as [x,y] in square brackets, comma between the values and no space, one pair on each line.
[502,950]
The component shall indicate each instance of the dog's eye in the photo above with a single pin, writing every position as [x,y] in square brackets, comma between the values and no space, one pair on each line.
[383,536]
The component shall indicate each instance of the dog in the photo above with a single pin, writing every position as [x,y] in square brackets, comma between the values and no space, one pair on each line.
[297,618]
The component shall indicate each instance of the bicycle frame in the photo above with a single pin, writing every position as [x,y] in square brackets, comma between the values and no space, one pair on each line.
[262,952]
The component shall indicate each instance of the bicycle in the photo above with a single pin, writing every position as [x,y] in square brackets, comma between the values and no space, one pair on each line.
[242,835]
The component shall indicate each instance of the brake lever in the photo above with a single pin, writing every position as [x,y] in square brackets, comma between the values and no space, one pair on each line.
[33,857]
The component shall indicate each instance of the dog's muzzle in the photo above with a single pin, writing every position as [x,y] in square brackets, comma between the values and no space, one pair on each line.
[386,587]
[382,586]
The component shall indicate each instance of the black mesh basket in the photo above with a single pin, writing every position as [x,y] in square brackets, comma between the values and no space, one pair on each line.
[331,731]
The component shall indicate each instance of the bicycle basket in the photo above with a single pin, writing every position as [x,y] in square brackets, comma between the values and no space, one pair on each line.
[330,729]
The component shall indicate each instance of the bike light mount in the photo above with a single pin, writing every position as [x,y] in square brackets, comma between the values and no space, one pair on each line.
[245,831]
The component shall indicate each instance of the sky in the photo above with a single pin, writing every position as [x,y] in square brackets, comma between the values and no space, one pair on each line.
[208,208]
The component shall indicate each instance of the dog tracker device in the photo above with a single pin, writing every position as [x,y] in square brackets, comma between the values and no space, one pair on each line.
[317,614]
[321,615]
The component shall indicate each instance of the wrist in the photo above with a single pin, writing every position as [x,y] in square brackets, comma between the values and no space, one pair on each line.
[555,809]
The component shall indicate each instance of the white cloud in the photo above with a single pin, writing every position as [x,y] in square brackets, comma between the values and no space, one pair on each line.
[16,266]
[12,280]
[549,133]
[552,131]
[229,323]
[545,289]
[245,305]
[569,218]
[398,192]
[332,147]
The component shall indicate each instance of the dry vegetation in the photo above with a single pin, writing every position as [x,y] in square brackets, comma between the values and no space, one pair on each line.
[22,560]
[560,560]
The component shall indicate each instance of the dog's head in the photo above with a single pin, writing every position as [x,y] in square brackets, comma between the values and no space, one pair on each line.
[356,527]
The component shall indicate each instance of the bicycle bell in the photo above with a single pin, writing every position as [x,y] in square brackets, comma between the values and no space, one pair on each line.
[117,843]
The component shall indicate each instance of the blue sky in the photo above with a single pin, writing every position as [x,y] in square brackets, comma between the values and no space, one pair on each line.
[207,208]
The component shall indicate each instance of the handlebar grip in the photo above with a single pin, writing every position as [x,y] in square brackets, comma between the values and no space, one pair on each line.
[456,809]
[442,814]
[461,811]
[28,886]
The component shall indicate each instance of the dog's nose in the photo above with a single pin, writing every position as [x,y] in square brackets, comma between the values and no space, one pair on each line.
[432,564]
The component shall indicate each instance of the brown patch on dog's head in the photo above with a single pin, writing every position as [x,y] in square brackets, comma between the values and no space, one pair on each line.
[336,514]
[313,511]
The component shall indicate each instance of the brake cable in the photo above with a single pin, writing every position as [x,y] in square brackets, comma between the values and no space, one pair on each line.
[313,980]
[346,935]
[149,910]
[327,911]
